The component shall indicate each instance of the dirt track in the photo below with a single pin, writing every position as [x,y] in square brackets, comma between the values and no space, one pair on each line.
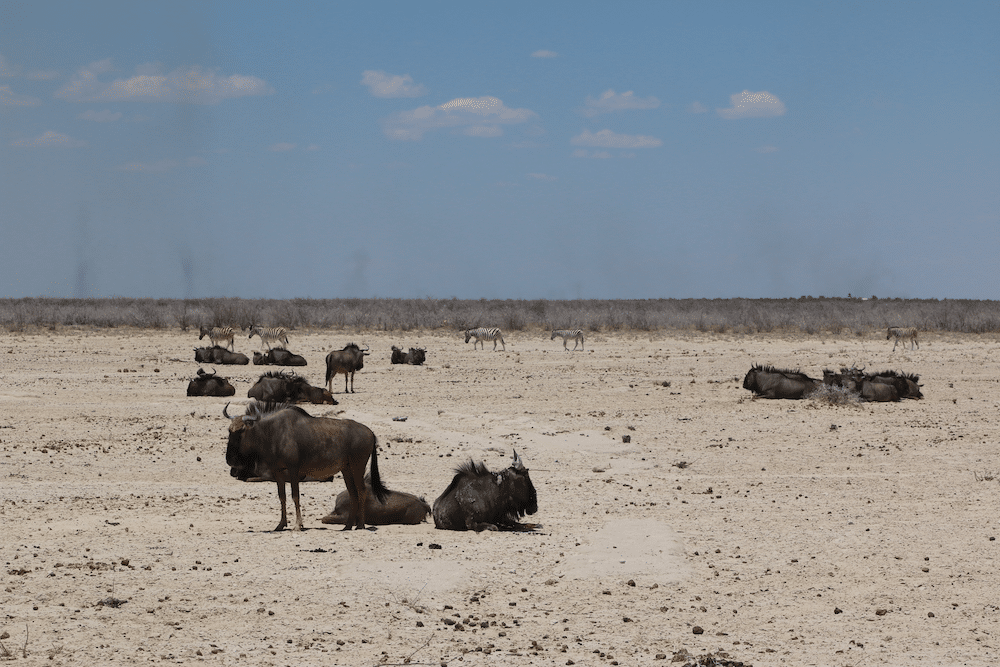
[754,520]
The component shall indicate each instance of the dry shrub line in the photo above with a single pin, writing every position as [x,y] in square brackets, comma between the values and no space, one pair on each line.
[807,315]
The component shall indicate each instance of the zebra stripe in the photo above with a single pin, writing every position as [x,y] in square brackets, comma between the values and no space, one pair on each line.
[566,334]
[219,335]
[270,335]
[903,333]
[483,334]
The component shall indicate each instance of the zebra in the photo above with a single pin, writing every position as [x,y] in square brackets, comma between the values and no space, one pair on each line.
[269,335]
[901,334]
[483,334]
[566,334]
[218,335]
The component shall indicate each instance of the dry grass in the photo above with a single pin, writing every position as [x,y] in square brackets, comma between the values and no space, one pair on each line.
[740,316]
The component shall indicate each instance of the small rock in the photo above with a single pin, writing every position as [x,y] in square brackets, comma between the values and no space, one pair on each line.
[698,630]
[881,612]
[930,614]
[626,438]
[433,546]
[838,610]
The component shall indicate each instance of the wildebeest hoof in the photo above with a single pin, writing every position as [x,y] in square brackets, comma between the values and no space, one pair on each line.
[371,528]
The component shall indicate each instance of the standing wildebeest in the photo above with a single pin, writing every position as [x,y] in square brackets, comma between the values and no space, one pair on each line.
[208,384]
[566,334]
[279,387]
[771,382]
[484,334]
[346,361]
[269,335]
[902,334]
[478,499]
[399,507]
[218,335]
[277,356]
[219,355]
[290,445]
[415,357]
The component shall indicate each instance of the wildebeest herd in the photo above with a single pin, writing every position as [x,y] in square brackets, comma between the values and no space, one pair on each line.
[770,382]
[276,440]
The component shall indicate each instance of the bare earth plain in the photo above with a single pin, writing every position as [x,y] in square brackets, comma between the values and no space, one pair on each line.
[790,532]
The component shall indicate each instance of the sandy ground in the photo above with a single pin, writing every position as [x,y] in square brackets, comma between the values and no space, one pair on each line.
[792,533]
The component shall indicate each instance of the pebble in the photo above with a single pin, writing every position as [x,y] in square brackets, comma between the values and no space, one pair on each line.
[698,630]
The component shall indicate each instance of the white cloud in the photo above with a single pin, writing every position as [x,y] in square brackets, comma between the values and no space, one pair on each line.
[9,98]
[105,116]
[541,53]
[542,177]
[281,147]
[611,101]
[391,85]
[485,131]
[753,105]
[478,116]
[49,139]
[609,139]
[149,167]
[194,86]
[697,107]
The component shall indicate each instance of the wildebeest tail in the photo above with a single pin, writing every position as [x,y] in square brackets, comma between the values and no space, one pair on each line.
[381,493]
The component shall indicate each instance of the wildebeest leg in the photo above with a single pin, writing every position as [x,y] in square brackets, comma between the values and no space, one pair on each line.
[295,499]
[355,488]
[284,515]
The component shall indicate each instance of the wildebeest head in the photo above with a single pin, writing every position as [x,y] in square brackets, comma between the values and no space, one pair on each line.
[416,356]
[478,499]
[244,462]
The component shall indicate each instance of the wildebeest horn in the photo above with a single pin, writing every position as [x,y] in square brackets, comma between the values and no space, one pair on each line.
[517,461]
[225,412]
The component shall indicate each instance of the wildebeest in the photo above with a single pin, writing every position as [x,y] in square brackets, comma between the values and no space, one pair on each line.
[218,335]
[902,334]
[346,361]
[399,507]
[290,445]
[879,392]
[279,387]
[415,357]
[770,382]
[906,385]
[219,355]
[478,499]
[278,356]
[849,378]
[269,335]
[209,384]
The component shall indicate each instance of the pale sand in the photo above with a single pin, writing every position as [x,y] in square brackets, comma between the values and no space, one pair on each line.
[786,511]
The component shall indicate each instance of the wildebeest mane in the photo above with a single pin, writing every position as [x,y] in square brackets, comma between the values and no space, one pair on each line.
[280,375]
[898,374]
[795,374]
[261,409]
[470,469]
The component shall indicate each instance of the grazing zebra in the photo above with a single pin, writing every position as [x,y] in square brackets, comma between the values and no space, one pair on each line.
[901,334]
[483,334]
[272,335]
[566,334]
[218,335]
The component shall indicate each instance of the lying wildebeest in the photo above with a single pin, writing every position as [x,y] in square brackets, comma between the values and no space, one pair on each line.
[906,384]
[415,357]
[209,384]
[875,391]
[346,361]
[770,382]
[290,445]
[219,355]
[399,507]
[849,378]
[478,499]
[218,335]
[280,387]
[278,356]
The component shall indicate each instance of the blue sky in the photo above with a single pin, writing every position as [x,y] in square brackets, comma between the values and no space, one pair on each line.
[500,150]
